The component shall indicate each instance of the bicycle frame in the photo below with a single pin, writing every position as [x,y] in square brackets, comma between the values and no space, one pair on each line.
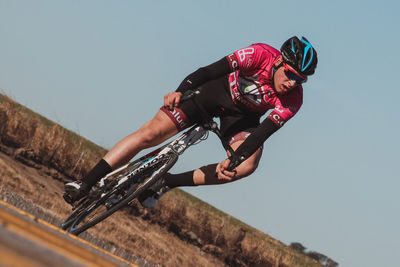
[177,146]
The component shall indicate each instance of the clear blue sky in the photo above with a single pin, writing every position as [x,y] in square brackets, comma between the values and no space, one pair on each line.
[327,179]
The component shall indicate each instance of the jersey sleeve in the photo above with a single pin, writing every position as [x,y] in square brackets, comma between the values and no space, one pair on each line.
[286,107]
[249,58]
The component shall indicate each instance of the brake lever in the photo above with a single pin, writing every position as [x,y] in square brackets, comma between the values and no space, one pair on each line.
[234,162]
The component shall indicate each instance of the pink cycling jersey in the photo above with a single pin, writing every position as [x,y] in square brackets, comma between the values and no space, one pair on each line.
[250,83]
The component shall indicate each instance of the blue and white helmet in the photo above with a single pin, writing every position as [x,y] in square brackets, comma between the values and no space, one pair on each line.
[300,55]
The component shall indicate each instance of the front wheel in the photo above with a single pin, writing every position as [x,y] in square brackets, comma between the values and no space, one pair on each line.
[102,203]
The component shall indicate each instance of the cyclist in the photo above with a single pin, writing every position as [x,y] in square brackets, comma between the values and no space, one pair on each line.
[238,89]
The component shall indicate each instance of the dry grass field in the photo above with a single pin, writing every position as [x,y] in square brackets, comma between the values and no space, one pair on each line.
[37,156]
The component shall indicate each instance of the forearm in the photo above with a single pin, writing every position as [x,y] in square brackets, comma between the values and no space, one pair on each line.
[254,141]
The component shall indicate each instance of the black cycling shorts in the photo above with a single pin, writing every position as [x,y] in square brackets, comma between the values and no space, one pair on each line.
[235,123]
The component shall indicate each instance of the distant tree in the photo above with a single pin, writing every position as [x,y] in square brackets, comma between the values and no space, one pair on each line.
[298,246]
[321,258]
[331,263]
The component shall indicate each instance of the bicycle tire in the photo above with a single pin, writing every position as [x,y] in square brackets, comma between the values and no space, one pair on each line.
[134,191]
[89,200]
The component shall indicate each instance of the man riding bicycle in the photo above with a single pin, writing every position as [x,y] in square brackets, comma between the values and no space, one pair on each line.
[238,89]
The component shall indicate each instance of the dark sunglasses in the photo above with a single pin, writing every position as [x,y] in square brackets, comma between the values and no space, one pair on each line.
[292,75]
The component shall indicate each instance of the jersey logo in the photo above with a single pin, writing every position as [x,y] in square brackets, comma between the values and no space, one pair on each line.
[232,61]
[244,52]
[276,118]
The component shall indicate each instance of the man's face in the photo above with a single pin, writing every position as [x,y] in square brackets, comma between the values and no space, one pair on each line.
[285,79]
[282,83]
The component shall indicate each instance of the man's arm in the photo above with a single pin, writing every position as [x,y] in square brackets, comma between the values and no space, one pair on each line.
[196,79]
[205,74]
[253,142]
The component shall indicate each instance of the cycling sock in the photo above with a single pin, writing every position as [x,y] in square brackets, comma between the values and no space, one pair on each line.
[100,170]
[180,179]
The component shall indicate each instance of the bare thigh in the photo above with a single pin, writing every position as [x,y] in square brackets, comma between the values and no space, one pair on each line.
[152,133]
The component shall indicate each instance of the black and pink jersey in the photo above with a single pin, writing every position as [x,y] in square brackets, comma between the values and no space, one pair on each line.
[250,83]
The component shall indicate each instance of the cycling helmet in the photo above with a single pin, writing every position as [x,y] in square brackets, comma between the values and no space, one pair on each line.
[300,55]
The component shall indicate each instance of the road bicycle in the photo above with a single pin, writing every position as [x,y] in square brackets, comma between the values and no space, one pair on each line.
[122,186]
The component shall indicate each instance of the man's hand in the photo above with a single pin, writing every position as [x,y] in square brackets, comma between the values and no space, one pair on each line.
[223,173]
[172,100]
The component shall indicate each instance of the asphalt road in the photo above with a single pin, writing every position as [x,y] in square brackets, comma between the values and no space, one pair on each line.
[26,240]
[29,236]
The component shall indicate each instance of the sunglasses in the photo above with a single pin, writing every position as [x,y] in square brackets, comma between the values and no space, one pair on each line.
[292,75]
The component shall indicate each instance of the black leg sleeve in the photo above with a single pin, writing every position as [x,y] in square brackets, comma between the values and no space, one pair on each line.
[180,179]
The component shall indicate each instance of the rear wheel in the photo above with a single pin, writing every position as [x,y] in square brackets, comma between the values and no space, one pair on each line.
[104,201]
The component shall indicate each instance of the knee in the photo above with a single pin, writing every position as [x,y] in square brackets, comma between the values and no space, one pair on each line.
[246,168]
[150,136]
[157,130]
